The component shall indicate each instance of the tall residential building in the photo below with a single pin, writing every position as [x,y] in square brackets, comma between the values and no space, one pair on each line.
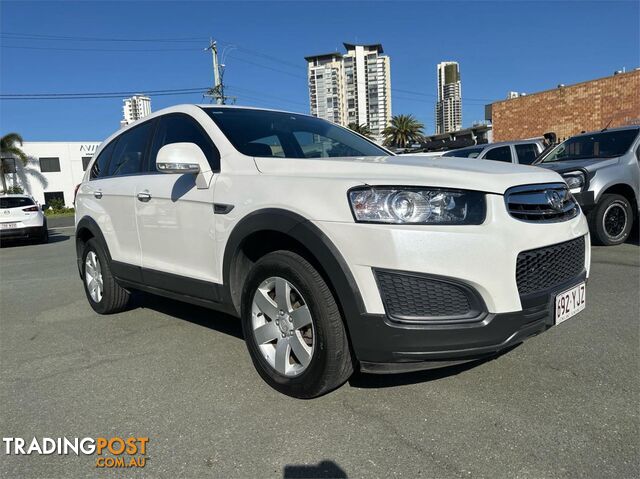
[134,108]
[352,88]
[449,105]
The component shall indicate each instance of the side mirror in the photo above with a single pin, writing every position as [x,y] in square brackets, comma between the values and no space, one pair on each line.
[181,158]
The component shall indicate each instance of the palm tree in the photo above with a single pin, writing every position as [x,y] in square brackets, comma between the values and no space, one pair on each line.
[363,129]
[10,150]
[404,129]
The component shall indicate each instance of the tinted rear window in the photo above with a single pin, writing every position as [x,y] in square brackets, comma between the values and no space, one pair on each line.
[129,153]
[15,202]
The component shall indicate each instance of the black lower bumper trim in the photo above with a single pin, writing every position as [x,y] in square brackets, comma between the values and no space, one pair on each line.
[384,346]
[22,233]
[586,199]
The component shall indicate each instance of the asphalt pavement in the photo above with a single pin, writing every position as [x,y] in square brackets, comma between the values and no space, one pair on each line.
[563,404]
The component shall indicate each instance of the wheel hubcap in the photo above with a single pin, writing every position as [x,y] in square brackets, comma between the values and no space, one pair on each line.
[614,220]
[282,326]
[93,276]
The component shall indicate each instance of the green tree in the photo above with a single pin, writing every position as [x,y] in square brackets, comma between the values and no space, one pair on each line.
[10,149]
[363,129]
[403,130]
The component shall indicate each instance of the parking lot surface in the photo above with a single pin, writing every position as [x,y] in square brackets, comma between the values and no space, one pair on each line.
[563,404]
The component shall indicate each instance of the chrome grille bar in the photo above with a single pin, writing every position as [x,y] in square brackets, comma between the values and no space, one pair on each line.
[545,203]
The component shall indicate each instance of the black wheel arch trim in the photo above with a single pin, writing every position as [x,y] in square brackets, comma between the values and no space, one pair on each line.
[88,223]
[310,237]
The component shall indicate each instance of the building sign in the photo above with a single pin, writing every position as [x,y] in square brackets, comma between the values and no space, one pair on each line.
[88,149]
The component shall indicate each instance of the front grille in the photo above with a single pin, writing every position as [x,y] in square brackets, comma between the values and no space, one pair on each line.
[541,203]
[543,268]
[408,296]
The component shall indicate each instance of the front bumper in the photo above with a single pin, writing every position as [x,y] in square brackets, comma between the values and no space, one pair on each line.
[482,257]
[387,346]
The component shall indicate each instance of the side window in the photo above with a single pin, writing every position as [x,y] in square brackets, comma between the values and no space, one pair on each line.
[128,154]
[502,153]
[527,153]
[99,168]
[181,128]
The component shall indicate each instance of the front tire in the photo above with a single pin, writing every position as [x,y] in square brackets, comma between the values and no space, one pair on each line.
[105,295]
[293,327]
[611,221]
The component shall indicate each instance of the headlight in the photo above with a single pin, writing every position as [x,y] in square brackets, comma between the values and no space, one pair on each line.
[414,205]
[574,179]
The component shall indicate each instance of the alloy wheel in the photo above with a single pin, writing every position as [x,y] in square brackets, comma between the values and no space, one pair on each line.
[282,326]
[614,220]
[93,276]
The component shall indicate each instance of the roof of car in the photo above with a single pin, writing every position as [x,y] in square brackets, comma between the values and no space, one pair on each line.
[617,128]
[498,143]
[15,195]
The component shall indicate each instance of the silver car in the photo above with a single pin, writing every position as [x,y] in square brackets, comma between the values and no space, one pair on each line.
[602,169]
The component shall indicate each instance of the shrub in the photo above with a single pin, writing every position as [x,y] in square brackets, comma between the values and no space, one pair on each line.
[15,190]
[57,205]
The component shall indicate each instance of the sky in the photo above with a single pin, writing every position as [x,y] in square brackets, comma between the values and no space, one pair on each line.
[148,46]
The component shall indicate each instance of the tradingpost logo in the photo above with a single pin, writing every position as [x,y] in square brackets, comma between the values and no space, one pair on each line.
[110,452]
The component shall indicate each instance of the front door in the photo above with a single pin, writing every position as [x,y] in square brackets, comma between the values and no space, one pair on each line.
[176,224]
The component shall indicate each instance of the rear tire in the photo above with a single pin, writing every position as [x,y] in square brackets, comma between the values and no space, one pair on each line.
[104,293]
[611,220]
[324,362]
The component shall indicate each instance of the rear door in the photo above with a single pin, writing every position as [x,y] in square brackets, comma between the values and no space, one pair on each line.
[176,223]
[110,196]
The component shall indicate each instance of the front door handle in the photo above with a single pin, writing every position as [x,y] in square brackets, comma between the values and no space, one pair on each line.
[144,197]
[97,194]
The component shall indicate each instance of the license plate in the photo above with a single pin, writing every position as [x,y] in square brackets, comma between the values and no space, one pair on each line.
[570,303]
[6,226]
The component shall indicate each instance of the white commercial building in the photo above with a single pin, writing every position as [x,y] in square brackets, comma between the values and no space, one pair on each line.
[54,169]
[134,108]
[449,105]
[352,88]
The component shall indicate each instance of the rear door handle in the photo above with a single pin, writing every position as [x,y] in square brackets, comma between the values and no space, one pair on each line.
[97,194]
[144,197]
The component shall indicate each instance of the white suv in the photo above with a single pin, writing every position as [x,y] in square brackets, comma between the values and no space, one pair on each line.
[335,253]
[22,218]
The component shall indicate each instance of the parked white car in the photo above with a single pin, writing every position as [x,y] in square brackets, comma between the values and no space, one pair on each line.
[335,253]
[523,152]
[22,218]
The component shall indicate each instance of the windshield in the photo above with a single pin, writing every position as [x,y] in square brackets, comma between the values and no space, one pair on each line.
[607,144]
[465,153]
[15,202]
[288,135]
